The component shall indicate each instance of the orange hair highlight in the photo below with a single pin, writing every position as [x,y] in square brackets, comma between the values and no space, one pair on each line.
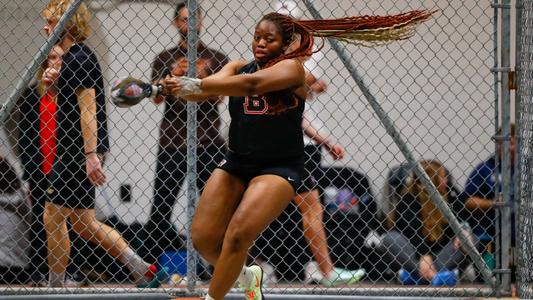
[367,31]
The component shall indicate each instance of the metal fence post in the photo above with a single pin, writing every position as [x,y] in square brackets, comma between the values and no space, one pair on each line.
[192,142]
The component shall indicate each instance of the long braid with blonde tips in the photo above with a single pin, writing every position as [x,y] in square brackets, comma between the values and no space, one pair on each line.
[370,31]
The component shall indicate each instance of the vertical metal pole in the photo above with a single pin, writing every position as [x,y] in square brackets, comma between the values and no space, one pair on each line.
[506,157]
[518,123]
[525,225]
[395,135]
[495,239]
[192,141]
[23,83]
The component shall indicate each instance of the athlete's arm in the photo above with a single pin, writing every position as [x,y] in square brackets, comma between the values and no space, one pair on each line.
[228,70]
[283,75]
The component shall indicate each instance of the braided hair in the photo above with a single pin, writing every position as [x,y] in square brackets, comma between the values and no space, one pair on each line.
[369,31]
[289,29]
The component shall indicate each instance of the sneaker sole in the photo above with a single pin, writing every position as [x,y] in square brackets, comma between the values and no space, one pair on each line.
[357,278]
[353,280]
[261,282]
[158,278]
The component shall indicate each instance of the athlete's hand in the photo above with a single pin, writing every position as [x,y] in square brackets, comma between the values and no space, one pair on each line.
[181,86]
[95,171]
[170,85]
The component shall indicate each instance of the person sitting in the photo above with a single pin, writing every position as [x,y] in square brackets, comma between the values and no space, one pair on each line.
[481,190]
[421,246]
[14,227]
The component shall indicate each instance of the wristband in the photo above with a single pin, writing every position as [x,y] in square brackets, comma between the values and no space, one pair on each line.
[189,86]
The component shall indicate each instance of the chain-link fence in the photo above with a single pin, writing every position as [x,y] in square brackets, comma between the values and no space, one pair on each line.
[363,210]
[524,192]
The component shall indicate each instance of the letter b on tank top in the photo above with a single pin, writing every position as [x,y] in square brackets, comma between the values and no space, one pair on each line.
[255,105]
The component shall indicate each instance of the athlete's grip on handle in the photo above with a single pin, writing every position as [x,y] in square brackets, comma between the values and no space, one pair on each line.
[129,91]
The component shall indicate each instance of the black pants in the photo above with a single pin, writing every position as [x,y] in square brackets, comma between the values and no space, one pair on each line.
[170,173]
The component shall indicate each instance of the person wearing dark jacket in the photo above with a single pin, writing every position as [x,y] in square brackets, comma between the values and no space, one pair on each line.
[36,142]
[421,245]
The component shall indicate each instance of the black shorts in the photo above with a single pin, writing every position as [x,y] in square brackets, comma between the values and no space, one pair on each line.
[312,159]
[70,185]
[291,169]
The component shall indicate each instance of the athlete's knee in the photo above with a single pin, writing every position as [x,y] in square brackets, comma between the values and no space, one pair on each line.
[204,241]
[239,237]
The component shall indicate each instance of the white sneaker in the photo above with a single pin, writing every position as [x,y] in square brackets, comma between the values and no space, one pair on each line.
[269,273]
[255,290]
[343,276]
[312,273]
[71,282]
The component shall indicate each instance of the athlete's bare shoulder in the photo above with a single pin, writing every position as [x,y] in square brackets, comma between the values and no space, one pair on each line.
[236,65]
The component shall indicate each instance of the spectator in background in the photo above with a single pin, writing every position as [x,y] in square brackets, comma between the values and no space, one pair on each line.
[308,196]
[172,153]
[421,246]
[14,226]
[81,143]
[481,190]
[37,148]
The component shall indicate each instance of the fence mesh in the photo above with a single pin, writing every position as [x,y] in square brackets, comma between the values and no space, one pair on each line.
[364,211]
[524,70]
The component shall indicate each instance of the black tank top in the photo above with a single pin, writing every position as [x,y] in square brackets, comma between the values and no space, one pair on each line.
[257,136]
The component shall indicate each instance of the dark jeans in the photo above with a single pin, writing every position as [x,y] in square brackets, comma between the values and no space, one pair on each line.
[170,174]
[398,252]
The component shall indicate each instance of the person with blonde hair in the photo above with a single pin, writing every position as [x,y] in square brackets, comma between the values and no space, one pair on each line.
[36,126]
[421,245]
[82,141]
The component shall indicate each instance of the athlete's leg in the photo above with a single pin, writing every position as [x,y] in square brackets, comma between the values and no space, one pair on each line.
[263,201]
[313,228]
[219,200]
[55,224]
